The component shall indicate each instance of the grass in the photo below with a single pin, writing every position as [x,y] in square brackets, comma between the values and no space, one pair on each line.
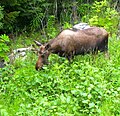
[86,86]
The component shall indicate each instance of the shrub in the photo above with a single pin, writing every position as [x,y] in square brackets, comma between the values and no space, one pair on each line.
[4,48]
[103,15]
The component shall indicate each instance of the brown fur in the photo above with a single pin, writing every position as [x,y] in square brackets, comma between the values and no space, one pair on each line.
[69,43]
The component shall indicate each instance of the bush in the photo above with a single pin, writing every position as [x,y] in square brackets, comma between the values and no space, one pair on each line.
[4,48]
[103,15]
[51,30]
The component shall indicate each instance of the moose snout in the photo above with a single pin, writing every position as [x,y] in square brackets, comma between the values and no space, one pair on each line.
[38,66]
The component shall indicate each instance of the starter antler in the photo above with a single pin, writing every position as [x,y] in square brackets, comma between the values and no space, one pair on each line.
[37,43]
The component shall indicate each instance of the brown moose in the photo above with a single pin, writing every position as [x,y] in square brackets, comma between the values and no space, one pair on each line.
[69,43]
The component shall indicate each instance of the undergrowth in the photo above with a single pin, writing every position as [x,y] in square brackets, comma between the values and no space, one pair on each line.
[89,85]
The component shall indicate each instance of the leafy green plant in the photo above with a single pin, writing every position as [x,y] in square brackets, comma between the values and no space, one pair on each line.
[88,85]
[51,30]
[67,25]
[35,23]
[10,20]
[103,15]
[4,48]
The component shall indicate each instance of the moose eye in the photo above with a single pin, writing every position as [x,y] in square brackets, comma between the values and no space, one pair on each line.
[42,55]
[40,52]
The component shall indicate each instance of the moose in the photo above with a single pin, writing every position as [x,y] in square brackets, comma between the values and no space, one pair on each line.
[69,43]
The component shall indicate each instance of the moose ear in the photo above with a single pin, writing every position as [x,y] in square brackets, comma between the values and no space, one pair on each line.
[47,46]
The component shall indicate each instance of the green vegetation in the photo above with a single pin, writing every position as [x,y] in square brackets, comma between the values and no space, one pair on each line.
[4,48]
[87,86]
[1,16]
[103,15]
[33,15]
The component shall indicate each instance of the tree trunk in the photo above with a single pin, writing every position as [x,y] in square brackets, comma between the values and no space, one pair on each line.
[74,12]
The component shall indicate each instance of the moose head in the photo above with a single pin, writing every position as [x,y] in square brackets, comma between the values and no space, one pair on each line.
[43,55]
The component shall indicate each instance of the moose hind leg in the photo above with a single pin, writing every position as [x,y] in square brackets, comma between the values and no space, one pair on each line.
[70,56]
[106,54]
